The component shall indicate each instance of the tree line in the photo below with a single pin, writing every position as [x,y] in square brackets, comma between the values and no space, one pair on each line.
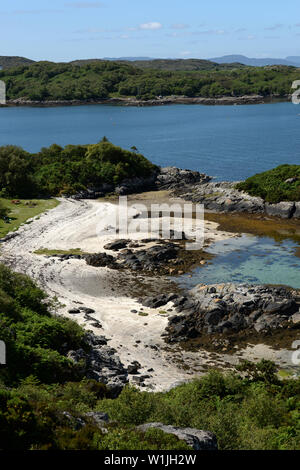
[47,81]
[60,170]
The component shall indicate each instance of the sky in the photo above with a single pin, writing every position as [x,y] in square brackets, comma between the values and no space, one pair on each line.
[61,30]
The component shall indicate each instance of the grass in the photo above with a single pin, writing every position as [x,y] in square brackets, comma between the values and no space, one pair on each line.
[285,374]
[47,252]
[22,212]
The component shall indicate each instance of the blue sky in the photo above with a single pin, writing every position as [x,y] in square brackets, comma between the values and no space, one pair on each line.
[66,30]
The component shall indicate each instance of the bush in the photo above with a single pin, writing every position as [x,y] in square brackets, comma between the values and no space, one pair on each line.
[36,342]
[64,171]
[273,185]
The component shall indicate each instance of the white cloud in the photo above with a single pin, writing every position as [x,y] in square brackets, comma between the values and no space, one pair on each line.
[154,25]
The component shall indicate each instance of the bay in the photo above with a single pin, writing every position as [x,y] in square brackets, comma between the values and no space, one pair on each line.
[227,142]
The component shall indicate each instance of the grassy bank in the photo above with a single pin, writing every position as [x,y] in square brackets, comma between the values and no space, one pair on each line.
[21,212]
[279,184]
[47,252]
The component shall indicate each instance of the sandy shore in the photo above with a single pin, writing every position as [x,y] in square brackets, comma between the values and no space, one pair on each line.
[75,224]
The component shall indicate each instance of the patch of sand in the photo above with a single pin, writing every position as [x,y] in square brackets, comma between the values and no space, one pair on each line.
[75,224]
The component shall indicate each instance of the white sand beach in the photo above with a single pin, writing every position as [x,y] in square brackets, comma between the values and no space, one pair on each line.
[73,224]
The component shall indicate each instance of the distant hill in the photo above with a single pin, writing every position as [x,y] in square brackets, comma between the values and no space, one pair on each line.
[111,59]
[128,59]
[294,58]
[182,64]
[7,62]
[186,65]
[226,59]
[226,62]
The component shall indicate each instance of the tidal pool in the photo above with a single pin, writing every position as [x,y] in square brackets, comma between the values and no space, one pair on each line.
[251,259]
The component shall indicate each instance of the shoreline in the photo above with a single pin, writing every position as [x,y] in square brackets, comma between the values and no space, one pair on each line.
[132,329]
[133,102]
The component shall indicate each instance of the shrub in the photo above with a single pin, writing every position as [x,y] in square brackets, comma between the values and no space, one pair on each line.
[273,185]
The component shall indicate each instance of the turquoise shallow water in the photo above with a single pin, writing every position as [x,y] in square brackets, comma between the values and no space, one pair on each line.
[227,142]
[250,259]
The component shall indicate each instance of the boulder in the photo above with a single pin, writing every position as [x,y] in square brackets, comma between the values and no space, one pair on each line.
[116,245]
[195,438]
[172,177]
[100,260]
[100,419]
[296,318]
[134,367]
[297,210]
[101,364]
[281,209]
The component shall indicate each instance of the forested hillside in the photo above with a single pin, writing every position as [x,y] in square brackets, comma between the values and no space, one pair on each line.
[46,81]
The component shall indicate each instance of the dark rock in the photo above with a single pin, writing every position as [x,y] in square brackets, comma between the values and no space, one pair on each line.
[230,308]
[134,367]
[213,317]
[87,310]
[101,364]
[100,260]
[74,311]
[171,177]
[285,307]
[224,197]
[116,245]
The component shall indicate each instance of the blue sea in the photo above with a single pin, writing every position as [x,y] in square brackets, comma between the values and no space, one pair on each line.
[227,142]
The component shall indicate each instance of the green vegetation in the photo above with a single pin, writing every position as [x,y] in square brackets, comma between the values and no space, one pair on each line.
[56,170]
[47,252]
[14,213]
[256,412]
[98,80]
[7,62]
[279,184]
[180,64]
[36,341]
[44,396]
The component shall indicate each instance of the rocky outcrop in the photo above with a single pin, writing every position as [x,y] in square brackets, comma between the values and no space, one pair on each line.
[172,177]
[159,101]
[224,197]
[101,363]
[162,257]
[162,178]
[151,259]
[195,438]
[228,308]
